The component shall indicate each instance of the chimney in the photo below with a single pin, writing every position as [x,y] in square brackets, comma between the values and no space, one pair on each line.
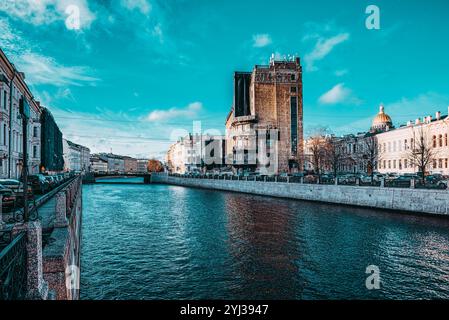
[438,115]
[417,121]
[409,123]
[429,119]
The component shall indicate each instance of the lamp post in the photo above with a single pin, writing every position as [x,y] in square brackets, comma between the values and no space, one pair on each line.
[25,115]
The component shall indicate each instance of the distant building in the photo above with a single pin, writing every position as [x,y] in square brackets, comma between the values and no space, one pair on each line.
[142,165]
[130,164]
[267,101]
[52,159]
[116,163]
[76,157]
[196,153]
[98,164]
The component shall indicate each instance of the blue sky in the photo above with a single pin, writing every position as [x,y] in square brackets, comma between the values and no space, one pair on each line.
[133,71]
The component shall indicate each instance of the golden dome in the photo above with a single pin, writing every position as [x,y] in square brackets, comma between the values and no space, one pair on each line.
[382,121]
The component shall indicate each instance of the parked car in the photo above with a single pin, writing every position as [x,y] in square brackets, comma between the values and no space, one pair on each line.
[16,188]
[8,198]
[51,181]
[38,183]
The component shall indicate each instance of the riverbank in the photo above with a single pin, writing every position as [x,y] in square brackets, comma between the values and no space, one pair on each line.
[435,202]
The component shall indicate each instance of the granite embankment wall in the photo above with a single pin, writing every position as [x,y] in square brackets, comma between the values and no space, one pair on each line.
[401,199]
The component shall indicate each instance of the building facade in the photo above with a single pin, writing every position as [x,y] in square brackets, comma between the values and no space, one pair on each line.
[142,165]
[52,153]
[196,153]
[266,118]
[130,164]
[14,92]
[98,164]
[385,148]
[116,163]
[395,145]
[76,157]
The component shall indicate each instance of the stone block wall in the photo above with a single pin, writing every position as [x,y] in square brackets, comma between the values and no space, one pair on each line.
[413,200]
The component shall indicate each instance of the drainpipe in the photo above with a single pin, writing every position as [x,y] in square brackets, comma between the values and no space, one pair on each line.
[10,122]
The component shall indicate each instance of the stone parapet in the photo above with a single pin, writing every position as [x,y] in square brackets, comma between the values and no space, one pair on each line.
[434,202]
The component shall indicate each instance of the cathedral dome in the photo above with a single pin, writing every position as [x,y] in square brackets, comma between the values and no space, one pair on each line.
[382,121]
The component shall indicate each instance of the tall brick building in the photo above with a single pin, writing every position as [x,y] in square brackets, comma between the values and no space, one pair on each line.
[268,98]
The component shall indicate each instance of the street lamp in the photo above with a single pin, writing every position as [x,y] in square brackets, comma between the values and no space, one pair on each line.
[24,109]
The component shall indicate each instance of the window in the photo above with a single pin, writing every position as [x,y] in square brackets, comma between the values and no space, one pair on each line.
[405,144]
[405,163]
[445,163]
[4,100]
[294,123]
[440,140]
[385,164]
[389,164]
[440,163]
[35,151]
[293,89]
[35,132]
[293,77]
[445,140]
[394,164]
[400,164]
[434,141]
[434,164]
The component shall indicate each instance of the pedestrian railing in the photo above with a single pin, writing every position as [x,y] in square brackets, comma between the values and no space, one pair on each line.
[306,180]
[13,267]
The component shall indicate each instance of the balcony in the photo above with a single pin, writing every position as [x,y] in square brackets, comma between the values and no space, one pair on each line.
[244,120]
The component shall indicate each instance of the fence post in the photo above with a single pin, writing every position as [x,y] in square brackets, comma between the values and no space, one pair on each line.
[37,287]
[412,183]
[382,182]
[60,210]
[336,180]
[301,180]
[275,178]
[288,179]
[357,181]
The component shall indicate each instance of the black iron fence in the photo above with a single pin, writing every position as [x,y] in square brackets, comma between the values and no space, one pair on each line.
[325,180]
[13,267]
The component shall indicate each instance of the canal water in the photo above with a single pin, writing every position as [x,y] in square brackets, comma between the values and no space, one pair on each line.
[170,242]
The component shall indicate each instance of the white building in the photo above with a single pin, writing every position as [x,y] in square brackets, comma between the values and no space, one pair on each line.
[142,165]
[395,145]
[76,157]
[196,152]
[98,164]
[13,90]
[116,163]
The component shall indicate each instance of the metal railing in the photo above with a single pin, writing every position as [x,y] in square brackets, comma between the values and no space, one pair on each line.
[321,181]
[13,268]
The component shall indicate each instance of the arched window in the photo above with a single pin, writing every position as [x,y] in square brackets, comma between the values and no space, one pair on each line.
[440,140]
[434,139]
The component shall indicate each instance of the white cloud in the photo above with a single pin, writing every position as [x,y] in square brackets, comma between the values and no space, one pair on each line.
[157,32]
[322,48]
[340,73]
[338,94]
[142,6]
[189,111]
[44,12]
[40,69]
[261,40]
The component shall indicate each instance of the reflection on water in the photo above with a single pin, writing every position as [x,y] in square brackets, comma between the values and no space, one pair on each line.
[168,242]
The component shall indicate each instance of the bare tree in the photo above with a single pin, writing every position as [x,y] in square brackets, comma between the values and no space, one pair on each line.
[369,155]
[333,154]
[316,146]
[421,152]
